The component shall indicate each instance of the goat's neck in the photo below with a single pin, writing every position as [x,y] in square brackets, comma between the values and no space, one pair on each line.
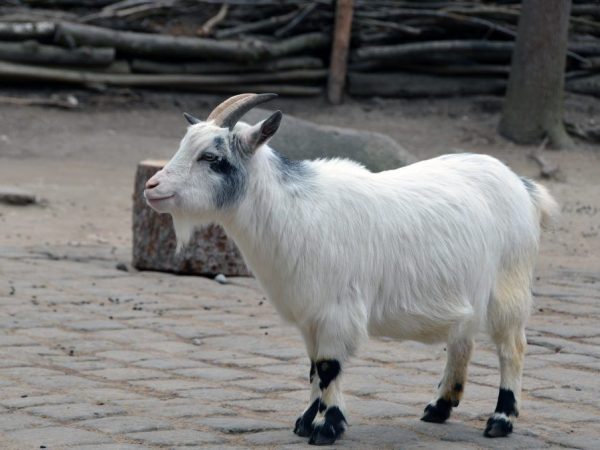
[261,225]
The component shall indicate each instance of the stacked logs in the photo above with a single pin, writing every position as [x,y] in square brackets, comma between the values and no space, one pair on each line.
[445,48]
[407,48]
[201,45]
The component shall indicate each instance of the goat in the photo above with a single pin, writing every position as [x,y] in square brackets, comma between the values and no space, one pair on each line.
[431,252]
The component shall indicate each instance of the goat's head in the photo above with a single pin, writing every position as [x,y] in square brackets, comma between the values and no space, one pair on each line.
[208,173]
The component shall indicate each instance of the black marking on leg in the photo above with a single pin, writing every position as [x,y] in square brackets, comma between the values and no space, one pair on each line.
[322,406]
[437,412]
[498,426]
[332,428]
[328,370]
[507,403]
[458,387]
[304,424]
[313,370]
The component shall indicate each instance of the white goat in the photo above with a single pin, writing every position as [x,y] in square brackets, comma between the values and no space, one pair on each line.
[431,252]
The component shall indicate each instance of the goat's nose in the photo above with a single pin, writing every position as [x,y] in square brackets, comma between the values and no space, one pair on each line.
[151,183]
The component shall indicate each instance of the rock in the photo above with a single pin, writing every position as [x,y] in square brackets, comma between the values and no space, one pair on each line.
[301,139]
[15,196]
[221,279]
[212,252]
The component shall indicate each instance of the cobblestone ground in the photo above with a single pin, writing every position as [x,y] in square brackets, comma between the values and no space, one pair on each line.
[96,358]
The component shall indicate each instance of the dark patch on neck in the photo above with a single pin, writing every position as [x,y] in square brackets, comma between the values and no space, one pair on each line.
[529,185]
[291,173]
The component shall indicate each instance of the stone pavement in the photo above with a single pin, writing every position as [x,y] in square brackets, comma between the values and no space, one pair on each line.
[96,358]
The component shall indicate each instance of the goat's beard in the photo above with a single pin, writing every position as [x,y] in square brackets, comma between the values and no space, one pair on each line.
[184,230]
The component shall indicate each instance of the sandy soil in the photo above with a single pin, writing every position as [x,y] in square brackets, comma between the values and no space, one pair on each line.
[82,162]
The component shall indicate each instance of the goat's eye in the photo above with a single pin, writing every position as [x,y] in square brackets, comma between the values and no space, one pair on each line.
[210,157]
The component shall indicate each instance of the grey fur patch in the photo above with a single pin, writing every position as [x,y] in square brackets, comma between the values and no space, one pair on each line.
[296,175]
[529,185]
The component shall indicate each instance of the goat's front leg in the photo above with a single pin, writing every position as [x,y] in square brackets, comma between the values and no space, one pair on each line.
[333,423]
[304,425]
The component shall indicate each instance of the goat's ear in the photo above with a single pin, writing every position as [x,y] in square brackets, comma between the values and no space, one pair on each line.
[191,119]
[260,133]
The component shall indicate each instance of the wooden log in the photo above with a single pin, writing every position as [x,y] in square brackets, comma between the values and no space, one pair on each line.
[589,85]
[293,63]
[408,85]
[488,50]
[299,17]
[252,27]
[27,30]
[211,252]
[21,72]
[339,51]
[69,3]
[34,52]
[146,44]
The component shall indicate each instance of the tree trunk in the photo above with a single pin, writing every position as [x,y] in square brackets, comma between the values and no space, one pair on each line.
[533,108]
[339,51]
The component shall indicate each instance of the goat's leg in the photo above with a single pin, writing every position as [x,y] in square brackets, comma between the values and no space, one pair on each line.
[336,340]
[451,387]
[511,351]
[333,422]
[304,425]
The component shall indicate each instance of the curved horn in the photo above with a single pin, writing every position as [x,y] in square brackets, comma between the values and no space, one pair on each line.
[219,109]
[231,113]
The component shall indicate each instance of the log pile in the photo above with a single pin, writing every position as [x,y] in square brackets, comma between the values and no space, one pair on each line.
[445,48]
[396,47]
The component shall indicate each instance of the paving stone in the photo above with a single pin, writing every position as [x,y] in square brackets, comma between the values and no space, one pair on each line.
[127,373]
[75,411]
[55,437]
[236,425]
[185,437]
[126,424]
[17,421]
[215,373]
[112,447]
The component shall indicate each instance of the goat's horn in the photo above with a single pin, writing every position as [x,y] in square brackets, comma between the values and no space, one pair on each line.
[228,113]
[230,101]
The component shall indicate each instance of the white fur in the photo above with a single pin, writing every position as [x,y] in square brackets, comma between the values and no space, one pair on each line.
[406,253]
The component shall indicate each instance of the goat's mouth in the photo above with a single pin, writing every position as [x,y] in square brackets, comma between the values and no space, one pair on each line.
[159,199]
[158,203]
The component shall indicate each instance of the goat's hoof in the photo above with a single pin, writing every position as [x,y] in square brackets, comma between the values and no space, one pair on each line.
[437,412]
[323,434]
[303,428]
[498,427]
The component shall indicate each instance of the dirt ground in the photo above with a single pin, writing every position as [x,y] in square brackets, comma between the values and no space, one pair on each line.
[82,162]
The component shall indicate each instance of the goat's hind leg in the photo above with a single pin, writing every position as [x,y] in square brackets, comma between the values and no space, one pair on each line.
[511,351]
[451,387]
[507,313]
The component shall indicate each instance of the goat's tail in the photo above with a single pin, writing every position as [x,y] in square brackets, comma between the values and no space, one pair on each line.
[547,208]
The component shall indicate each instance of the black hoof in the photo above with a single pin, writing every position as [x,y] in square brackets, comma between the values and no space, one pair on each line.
[438,412]
[303,427]
[497,427]
[323,434]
